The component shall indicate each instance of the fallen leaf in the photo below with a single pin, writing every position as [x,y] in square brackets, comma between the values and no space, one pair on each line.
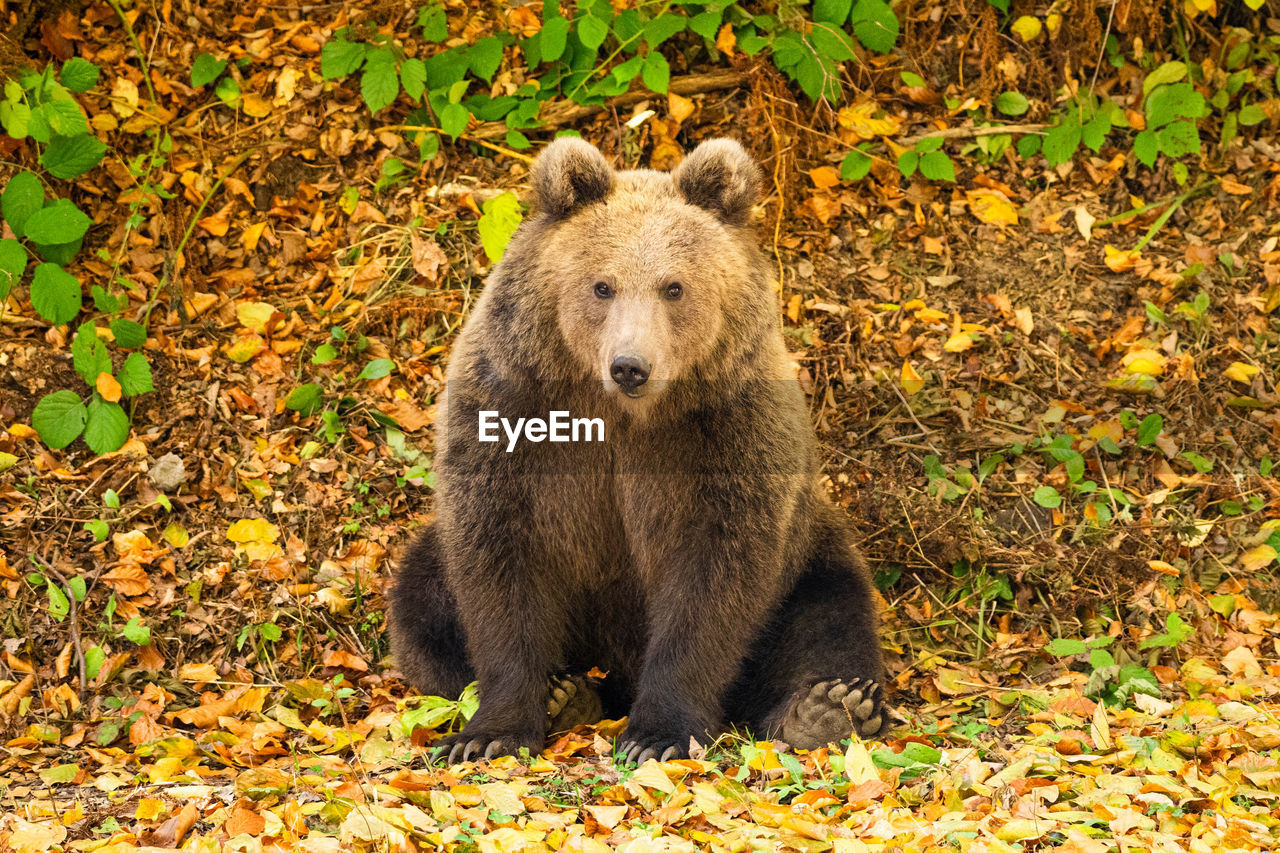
[992,207]
[107,386]
[1241,372]
[912,381]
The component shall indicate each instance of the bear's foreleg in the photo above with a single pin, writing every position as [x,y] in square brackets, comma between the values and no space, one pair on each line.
[712,586]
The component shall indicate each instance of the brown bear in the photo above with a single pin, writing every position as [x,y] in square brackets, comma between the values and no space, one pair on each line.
[683,542]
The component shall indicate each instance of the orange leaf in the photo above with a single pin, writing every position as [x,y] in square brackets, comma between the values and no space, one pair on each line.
[218,223]
[912,381]
[679,107]
[108,387]
[726,40]
[1120,260]
[824,177]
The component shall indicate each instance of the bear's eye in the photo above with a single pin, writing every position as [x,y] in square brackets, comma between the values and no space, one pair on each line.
[603,291]
[675,290]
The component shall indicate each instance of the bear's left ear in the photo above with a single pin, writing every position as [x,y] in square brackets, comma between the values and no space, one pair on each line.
[569,173]
[722,177]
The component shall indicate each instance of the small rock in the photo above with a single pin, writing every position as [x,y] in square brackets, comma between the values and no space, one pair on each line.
[168,473]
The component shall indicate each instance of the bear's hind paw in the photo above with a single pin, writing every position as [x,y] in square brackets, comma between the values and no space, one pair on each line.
[833,710]
[573,701]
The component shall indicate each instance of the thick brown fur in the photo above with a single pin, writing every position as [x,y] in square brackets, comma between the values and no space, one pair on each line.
[692,554]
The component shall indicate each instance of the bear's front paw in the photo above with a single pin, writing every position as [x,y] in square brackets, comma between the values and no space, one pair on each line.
[830,711]
[485,744]
[639,744]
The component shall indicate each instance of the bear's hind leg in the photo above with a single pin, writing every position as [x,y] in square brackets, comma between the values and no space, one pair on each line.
[427,639]
[814,676]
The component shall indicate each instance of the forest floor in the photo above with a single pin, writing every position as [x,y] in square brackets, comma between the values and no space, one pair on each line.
[1059,453]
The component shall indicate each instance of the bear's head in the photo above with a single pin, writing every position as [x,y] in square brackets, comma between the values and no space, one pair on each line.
[656,275]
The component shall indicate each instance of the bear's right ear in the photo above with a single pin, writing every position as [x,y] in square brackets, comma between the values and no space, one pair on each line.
[568,174]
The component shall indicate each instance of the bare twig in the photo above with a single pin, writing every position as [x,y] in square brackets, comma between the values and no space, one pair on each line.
[965,132]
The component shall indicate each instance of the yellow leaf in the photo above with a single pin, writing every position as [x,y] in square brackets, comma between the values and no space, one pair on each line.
[912,381]
[176,535]
[218,223]
[108,387]
[243,349]
[1052,22]
[959,342]
[1164,568]
[249,239]
[199,672]
[1026,27]
[1241,372]
[992,207]
[149,809]
[124,97]
[608,816]
[931,315]
[253,530]
[1256,558]
[726,40]
[1147,362]
[859,119]
[255,316]
[255,105]
[1121,260]
[679,107]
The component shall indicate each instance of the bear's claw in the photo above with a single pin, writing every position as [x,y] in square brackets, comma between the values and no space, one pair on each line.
[833,710]
[638,752]
[462,747]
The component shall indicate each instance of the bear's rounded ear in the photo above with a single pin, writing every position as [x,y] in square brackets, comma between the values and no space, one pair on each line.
[568,174]
[722,177]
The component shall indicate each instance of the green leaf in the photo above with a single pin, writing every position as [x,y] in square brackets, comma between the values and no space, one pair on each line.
[663,27]
[59,418]
[228,91]
[59,253]
[592,32]
[23,196]
[1063,646]
[413,77]
[1149,430]
[1251,115]
[1177,632]
[1094,133]
[855,166]
[1179,139]
[454,119]
[908,162]
[1168,103]
[305,399]
[1170,72]
[831,43]
[377,369]
[55,294]
[656,73]
[707,24]
[135,375]
[64,118]
[13,263]
[324,354]
[79,75]
[875,25]
[107,426]
[60,222]
[1146,147]
[340,58]
[128,334]
[500,217]
[1012,103]
[89,356]
[379,84]
[208,68]
[435,27]
[834,12]
[59,606]
[484,57]
[70,157]
[555,33]
[135,632]
[937,166]
[1047,497]
[1061,142]
[16,118]
[99,528]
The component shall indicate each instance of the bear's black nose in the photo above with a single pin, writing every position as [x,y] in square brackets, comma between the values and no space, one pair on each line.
[629,371]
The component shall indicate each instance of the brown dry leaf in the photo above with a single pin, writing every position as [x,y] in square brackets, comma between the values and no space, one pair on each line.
[1233,187]
[341,659]
[407,415]
[823,208]
[171,833]
[243,821]
[128,579]
[218,223]
[255,105]
[427,256]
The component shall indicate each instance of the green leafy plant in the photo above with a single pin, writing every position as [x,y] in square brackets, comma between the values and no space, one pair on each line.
[40,106]
[207,69]
[437,712]
[1110,681]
